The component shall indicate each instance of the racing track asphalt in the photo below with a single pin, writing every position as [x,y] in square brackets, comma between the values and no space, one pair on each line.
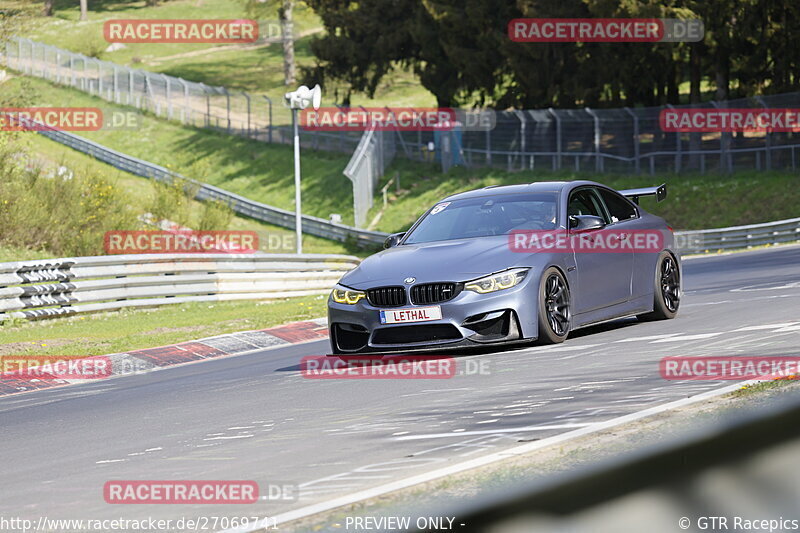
[254,417]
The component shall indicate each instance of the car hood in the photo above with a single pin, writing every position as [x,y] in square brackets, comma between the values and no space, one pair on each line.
[456,260]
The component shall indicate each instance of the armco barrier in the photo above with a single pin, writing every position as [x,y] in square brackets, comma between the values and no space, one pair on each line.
[738,237]
[59,287]
[239,204]
[62,287]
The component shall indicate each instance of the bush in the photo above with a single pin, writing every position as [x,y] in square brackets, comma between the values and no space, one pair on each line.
[173,201]
[215,216]
[65,214]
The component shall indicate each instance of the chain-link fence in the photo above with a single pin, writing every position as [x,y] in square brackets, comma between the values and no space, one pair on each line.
[628,140]
[374,153]
[191,103]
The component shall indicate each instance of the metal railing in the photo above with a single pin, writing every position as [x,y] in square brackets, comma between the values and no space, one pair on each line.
[374,153]
[62,287]
[239,204]
[625,139]
[738,237]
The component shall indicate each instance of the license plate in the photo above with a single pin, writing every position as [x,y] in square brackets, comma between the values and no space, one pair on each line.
[413,314]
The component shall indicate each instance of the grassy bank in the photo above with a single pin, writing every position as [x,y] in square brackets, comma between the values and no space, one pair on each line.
[253,169]
[133,329]
[694,201]
[139,197]
[264,173]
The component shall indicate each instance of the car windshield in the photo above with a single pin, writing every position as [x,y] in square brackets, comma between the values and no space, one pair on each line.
[485,216]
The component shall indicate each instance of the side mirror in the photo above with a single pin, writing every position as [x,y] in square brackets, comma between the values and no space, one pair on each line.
[393,239]
[585,222]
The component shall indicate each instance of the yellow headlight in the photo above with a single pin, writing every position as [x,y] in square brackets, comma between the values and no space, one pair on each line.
[497,282]
[345,296]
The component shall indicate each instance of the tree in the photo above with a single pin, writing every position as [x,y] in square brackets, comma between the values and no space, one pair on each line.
[286,18]
[84,9]
[265,9]
[461,53]
[48,8]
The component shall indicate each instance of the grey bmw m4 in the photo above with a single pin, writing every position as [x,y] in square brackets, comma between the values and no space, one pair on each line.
[508,264]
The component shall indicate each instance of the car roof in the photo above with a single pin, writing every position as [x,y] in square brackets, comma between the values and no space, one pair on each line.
[535,187]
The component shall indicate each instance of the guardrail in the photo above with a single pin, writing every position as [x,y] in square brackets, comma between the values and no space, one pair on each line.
[59,287]
[239,204]
[62,287]
[738,237]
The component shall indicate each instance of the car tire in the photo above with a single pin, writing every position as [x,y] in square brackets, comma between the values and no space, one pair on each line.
[666,289]
[554,313]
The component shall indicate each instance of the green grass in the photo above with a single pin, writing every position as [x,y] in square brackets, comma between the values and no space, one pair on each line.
[16,253]
[141,191]
[264,173]
[256,170]
[115,332]
[66,31]
[694,201]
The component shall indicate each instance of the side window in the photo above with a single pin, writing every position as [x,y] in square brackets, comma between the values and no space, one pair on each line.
[584,202]
[618,207]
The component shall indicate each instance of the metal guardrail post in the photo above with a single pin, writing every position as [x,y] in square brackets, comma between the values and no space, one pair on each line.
[31,59]
[723,152]
[99,77]
[269,125]
[247,96]
[186,111]
[557,161]
[677,146]
[521,116]
[636,147]
[767,137]
[131,86]
[228,107]
[598,165]
[116,85]
[208,103]
[488,147]
[168,95]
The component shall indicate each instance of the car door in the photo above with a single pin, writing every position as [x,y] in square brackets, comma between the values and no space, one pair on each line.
[604,276]
[626,220]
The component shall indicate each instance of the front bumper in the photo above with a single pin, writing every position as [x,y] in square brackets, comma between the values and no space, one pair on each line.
[469,319]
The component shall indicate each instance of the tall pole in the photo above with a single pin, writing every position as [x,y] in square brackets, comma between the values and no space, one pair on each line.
[298,221]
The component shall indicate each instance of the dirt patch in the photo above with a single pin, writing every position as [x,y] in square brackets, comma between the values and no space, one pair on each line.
[186,329]
[31,347]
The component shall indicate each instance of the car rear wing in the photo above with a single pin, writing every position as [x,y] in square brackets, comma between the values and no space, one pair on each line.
[659,192]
